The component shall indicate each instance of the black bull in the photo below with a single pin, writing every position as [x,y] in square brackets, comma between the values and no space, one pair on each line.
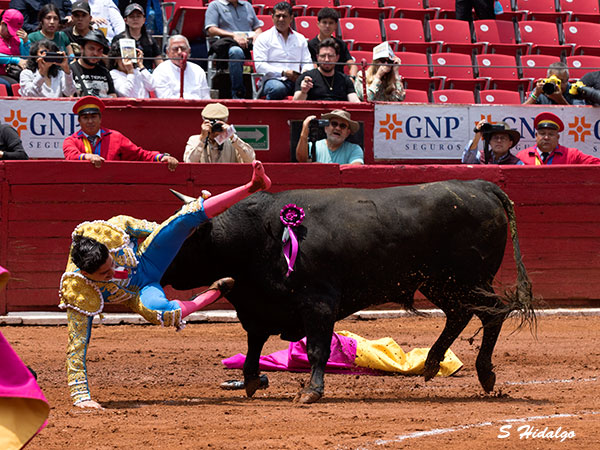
[360,247]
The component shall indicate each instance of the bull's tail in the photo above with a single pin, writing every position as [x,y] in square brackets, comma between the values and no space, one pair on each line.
[521,299]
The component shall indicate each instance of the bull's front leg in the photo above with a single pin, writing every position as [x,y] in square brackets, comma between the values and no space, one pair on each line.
[256,341]
[319,329]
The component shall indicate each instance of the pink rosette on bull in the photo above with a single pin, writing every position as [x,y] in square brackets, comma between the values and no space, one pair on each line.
[291,216]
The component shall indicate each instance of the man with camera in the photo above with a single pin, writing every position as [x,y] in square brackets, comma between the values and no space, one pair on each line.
[324,82]
[547,150]
[498,140]
[555,89]
[236,24]
[96,144]
[218,141]
[334,148]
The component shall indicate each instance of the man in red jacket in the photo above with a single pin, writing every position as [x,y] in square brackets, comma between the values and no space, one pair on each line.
[547,149]
[97,144]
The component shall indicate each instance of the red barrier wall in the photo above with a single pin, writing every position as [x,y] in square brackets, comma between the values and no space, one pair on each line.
[558,210]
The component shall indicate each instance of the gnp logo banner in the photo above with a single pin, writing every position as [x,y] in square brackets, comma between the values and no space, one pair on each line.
[42,124]
[442,131]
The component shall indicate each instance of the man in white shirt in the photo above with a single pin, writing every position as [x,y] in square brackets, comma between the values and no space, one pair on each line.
[281,54]
[107,17]
[167,74]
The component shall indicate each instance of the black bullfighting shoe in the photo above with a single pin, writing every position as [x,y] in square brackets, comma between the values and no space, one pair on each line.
[233,385]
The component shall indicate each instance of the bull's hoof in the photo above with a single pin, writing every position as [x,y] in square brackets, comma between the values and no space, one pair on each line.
[488,382]
[307,396]
[255,384]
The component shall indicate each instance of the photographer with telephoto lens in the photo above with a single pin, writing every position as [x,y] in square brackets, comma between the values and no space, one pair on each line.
[48,75]
[217,141]
[498,139]
[334,148]
[554,89]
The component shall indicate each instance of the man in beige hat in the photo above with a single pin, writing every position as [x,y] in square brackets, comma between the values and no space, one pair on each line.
[334,148]
[218,141]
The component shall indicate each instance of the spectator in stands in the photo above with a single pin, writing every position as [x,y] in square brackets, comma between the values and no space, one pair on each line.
[96,144]
[334,148]
[91,77]
[31,8]
[384,82]
[324,82]
[13,42]
[130,79]
[218,141]
[107,17]
[498,140]
[49,20]
[484,9]
[561,96]
[328,19]
[136,29]
[281,54]
[592,80]
[47,76]
[11,147]
[167,75]
[82,25]
[547,149]
[236,24]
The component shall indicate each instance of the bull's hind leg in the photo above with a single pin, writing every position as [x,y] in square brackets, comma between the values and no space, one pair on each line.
[492,324]
[457,318]
[256,341]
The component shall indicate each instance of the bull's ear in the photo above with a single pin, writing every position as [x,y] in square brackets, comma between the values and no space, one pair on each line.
[184,198]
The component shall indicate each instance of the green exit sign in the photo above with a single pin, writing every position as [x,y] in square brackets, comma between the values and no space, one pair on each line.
[255,135]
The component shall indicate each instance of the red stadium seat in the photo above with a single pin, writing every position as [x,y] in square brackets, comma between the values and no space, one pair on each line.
[3,91]
[188,19]
[307,25]
[366,8]
[360,33]
[585,36]
[457,71]
[414,68]
[445,9]
[500,37]
[312,7]
[534,67]
[544,10]
[509,13]
[265,7]
[581,10]
[579,65]
[407,35]
[416,96]
[411,9]
[503,72]
[455,36]
[543,38]
[453,96]
[265,20]
[16,89]
[499,97]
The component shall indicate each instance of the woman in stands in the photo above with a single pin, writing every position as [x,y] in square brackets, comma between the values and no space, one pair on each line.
[13,44]
[49,18]
[135,29]
[47,76]
[384,82]
[130,80]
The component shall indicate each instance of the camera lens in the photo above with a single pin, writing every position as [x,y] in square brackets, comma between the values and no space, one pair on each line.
[548,88]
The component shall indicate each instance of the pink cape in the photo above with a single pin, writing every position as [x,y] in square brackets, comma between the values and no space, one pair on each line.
[294,359]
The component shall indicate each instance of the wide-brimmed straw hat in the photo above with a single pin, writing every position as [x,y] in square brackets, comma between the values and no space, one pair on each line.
[345,115]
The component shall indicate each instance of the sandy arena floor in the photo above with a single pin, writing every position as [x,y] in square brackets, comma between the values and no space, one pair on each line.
[161,390]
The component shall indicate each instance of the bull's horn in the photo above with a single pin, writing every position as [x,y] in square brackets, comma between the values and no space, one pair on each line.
[184,198]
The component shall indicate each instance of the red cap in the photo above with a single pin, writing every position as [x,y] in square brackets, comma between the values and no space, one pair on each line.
[548,120]
[88,105]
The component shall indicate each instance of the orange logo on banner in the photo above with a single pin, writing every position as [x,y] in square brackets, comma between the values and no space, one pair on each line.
[578,129]
[16,121]
[391,126]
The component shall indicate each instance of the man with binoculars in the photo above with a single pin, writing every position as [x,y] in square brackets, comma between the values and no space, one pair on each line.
[555,89]
[217,141]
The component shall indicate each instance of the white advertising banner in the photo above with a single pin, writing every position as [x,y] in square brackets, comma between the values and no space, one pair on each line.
[42,124]
[442,131]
